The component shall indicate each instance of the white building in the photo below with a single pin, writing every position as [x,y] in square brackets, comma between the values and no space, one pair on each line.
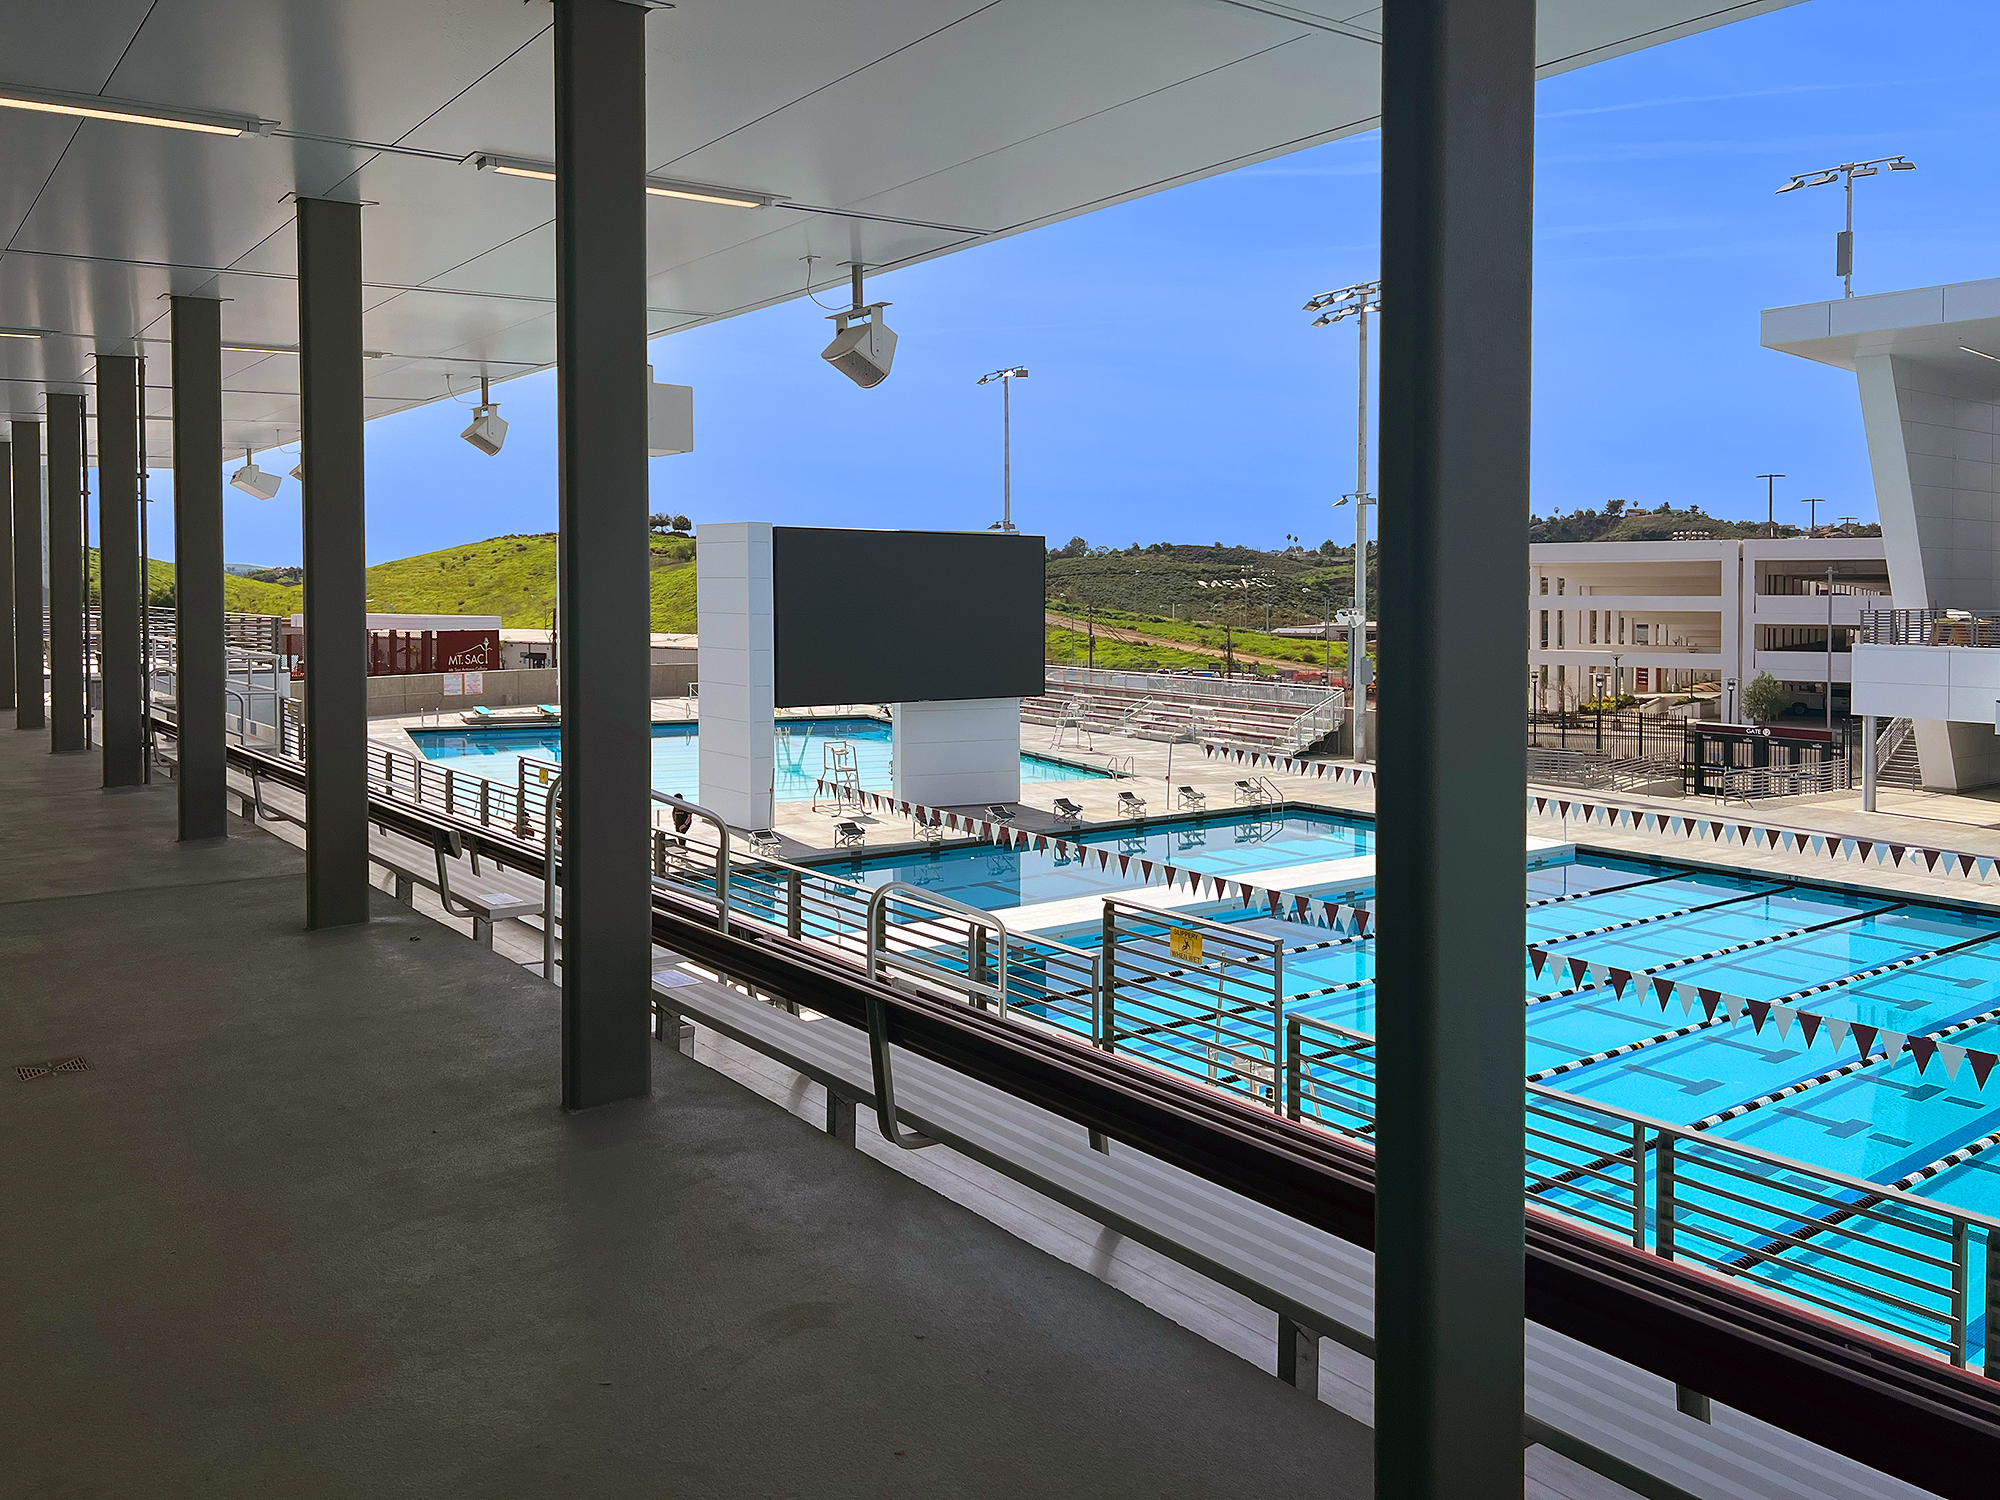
[1697,617]
[1927,368]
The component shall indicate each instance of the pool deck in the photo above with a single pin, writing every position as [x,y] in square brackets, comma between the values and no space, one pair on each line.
[1320,876]
[312,1224]
[1966,822]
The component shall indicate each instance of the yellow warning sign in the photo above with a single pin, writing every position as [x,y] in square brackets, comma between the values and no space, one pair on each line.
[1185,944]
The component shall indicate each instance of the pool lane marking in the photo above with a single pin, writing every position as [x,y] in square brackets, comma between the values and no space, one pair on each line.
[1728,1004]
[1804,1229]
[1604,890]
[1597,1057]
[1675,963]
[1664,916]
[1737,1111]
[1839,1027]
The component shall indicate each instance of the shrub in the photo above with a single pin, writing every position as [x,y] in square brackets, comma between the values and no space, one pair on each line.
[1763,698]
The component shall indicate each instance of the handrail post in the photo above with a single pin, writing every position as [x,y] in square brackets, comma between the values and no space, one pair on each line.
[722,864]
[1638,1185]
[1664,1197]
[1103,1022]
[794,904]
[1293,1080]
[551,852]
[1961,1255]
[1991,1364]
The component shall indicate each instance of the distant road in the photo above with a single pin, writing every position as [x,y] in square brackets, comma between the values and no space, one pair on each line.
[1139,637]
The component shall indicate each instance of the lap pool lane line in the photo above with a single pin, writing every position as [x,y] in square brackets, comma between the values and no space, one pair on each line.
[1731,1016]
[1579,968]
[1806,1227]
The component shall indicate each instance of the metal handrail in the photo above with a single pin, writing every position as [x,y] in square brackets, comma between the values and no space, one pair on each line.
[1761,1355]
[877,949]
[552,847]
[721,850]
[1695,1214]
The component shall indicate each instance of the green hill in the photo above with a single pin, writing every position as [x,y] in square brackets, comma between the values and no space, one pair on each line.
[1617,523]
[513,577]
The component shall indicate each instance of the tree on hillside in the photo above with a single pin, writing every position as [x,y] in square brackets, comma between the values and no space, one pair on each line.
[665,524]
[1075,547]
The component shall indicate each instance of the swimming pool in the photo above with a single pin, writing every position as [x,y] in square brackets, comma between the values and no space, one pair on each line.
[1232,844]
[801,744]
[1718,1080]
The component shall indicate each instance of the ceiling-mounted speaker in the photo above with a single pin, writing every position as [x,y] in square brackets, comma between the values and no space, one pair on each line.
[488,429]
[669,417]
[862,352]
[256,482]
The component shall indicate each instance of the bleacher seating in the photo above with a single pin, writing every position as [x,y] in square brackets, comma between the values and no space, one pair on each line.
[1156,712]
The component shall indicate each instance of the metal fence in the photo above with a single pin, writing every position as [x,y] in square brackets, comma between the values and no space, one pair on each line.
[1621,736]
[1589,771]
[1200,998]
[1930,627]
[1206,1000]
[1180,685]
[1890,1261]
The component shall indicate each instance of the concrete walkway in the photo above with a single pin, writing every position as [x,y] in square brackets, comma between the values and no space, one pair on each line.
[311,1224]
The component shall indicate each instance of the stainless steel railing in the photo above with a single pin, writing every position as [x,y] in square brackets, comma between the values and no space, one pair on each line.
[1889,1260]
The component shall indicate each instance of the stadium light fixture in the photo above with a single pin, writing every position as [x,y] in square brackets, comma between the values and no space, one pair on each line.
[1357,302]
[1006,379]
[129,111]
[1847,171]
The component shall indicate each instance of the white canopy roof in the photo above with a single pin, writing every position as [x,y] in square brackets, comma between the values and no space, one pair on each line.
[888,131]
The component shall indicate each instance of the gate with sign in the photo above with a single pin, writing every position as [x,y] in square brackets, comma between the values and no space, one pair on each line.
[1714,756]
[1201,998]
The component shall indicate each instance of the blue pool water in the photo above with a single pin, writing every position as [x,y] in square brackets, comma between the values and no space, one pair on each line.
[496,754]
[1877,1123]
[995,879]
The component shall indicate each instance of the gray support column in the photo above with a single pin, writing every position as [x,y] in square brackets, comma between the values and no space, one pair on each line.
[65,572]
[336,603]
[27,445]
[600,89]
[200,673]
[1457,194]
[6,574]
[118,589]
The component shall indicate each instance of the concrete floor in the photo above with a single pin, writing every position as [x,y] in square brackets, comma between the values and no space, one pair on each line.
[311,1224]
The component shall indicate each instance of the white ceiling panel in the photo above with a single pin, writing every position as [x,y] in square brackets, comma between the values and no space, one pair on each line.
[982,116]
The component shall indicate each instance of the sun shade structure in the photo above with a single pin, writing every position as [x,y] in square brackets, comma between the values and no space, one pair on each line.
[884,134]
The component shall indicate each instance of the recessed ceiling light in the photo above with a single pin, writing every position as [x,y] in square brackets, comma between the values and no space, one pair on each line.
[656,187]
[129,111]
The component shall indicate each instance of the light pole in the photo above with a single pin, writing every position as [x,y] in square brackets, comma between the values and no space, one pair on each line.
[1006,379]
[1356,302]
[1771,501]
[1846,172]
[1812,525]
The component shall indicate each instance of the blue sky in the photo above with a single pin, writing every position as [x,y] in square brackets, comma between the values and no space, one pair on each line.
[1178,392]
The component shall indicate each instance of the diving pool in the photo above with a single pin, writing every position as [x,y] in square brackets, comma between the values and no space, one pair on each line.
[496,754]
